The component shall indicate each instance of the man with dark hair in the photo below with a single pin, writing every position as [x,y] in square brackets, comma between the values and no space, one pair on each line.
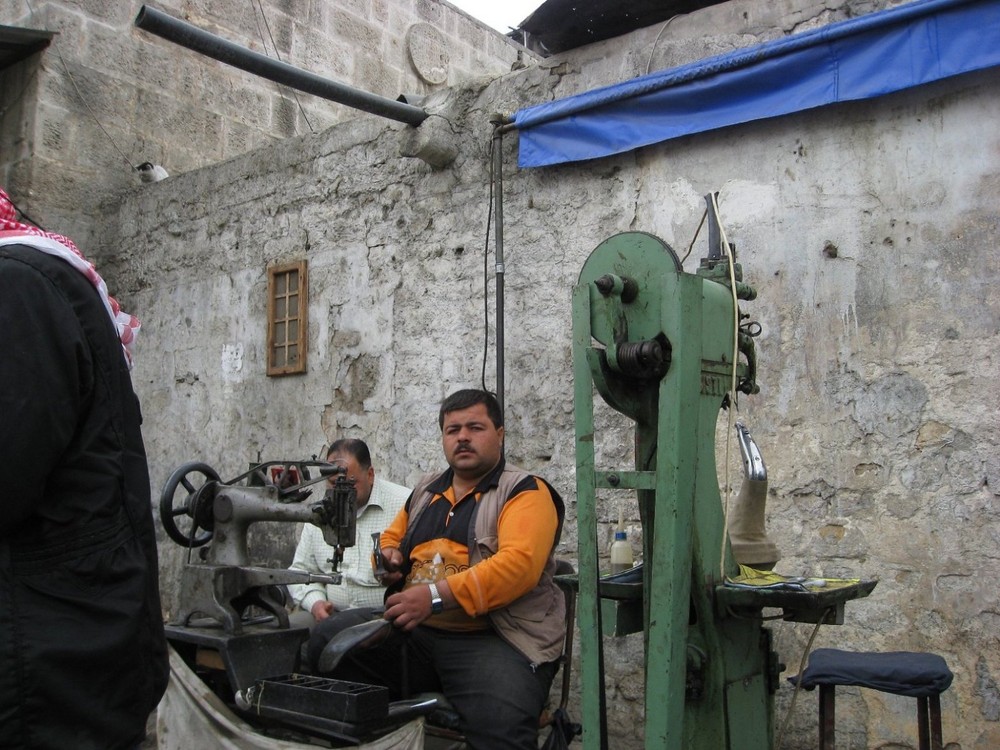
[468,398]
[83,658]
[471,560]
[378,502]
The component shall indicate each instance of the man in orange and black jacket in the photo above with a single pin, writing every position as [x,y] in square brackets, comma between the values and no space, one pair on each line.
[471,556]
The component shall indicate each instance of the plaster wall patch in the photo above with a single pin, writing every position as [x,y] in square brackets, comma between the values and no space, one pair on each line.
[428,52]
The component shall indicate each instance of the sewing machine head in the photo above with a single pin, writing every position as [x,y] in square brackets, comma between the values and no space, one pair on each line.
[199,511]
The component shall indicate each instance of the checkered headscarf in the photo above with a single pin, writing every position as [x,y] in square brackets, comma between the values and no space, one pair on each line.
[13,232]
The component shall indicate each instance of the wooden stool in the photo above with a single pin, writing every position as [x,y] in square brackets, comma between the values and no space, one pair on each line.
[919,675]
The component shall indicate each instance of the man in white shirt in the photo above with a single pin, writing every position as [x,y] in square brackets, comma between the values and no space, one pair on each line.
[378,503]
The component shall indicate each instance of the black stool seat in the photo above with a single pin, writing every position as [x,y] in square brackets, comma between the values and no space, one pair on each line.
[920,675]
[901,672]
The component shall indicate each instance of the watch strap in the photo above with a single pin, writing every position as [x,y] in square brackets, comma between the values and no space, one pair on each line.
[437,606]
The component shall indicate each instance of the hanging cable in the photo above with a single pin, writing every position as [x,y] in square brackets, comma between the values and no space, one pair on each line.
[79,93]
[486,266]
[499,129]
[656,41]
[798,683]
[23,215]
[20,95]
[695,238]
[733,403]
[276,53]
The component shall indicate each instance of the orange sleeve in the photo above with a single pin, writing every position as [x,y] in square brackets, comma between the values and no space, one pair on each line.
[393,536]
[526,531]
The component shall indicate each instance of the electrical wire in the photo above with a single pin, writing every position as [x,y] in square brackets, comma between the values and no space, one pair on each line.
[729,433]
[486,265]
[656,41]
[695,238]
[276,54]
[20,95]
[798,684]
[23,214]
[82,98]
[733,404]
[97,120]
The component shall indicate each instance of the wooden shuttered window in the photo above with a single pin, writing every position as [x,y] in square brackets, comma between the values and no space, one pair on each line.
[287,303]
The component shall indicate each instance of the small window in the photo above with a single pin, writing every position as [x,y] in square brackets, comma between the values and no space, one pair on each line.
[287,302]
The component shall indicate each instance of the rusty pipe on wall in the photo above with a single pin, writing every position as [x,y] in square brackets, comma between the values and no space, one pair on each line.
[186,35]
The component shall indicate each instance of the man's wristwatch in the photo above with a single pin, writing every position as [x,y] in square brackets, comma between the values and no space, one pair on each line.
[437,606]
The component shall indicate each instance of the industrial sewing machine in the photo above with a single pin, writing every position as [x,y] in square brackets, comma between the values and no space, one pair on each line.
[221,584]
[232,627]
[669,350]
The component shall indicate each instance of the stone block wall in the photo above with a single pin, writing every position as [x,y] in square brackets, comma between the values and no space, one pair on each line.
[106,96]
[877,415]
[863,226]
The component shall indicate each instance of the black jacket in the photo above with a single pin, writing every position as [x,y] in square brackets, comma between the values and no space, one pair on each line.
[82,651]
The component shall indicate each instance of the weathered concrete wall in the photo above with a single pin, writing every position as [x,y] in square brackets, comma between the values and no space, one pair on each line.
[110,95]
[865,228]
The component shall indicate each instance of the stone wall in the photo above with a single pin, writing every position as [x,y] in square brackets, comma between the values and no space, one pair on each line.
[865,228]
[106,96]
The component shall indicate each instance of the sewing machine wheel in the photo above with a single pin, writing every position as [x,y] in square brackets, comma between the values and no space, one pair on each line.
[196,505]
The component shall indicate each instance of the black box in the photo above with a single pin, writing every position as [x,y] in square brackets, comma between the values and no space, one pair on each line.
[351,702]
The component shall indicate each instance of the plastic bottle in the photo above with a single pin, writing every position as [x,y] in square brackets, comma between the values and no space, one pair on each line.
[621,550]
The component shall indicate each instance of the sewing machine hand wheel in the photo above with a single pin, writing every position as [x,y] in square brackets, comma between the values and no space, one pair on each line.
[196,505]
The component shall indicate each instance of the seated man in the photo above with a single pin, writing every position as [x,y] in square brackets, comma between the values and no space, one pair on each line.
[470,558]
[378,502]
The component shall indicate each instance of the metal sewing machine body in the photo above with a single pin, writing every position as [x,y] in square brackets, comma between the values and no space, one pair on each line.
[218,581]
[238,653]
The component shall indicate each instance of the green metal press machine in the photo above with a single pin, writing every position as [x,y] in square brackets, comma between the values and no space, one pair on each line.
[668,350]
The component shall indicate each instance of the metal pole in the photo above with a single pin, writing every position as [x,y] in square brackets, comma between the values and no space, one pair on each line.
[181,32]
[498,121]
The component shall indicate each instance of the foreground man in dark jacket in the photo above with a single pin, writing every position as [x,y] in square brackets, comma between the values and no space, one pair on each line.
[82,652]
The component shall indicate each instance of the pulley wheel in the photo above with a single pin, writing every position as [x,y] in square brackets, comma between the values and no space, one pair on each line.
[188,494]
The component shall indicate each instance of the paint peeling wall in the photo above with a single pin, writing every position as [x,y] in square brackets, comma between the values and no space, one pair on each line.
[868,229]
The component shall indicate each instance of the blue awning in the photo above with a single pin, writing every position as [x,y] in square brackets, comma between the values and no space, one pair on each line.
[864,57]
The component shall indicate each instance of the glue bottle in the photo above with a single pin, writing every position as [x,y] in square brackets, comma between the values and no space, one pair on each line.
[621,550]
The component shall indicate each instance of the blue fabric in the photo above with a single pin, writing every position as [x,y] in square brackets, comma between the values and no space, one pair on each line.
[865,57]
[915,674]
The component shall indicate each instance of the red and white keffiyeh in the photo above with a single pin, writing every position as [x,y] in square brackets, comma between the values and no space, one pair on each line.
[13,232]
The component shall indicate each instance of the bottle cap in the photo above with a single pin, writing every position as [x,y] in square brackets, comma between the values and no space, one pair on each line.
[620,535]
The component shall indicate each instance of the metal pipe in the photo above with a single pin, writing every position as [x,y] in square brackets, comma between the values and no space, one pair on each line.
[181,32]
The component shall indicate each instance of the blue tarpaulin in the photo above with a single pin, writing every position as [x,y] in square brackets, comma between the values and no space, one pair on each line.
[862,58]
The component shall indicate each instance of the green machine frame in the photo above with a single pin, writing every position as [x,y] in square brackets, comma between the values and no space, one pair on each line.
[658,345]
